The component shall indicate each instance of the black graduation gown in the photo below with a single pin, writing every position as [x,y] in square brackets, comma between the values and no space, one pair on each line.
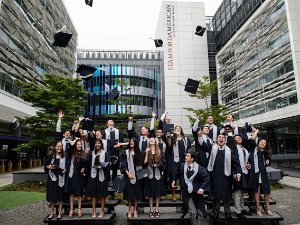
[253,181]
[95,187]
[153,187]
[131,191]
[200,181]
[201,151]
[174,166]
[75,184]
[54,191]
[111,142]
[221,185]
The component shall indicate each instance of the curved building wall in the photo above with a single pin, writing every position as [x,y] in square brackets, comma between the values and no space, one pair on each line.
[140,70]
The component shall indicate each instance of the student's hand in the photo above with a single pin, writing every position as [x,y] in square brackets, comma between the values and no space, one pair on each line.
[117,145]
[173,184]
[200,117]
[248,166]
[81,118]
[82,170]
[63,172]
[238,177]
[130,119]
[200,192]
[153,114]
[168,134]
[130,176]
[148,149]
[267,162]
[50,167]
[60,114]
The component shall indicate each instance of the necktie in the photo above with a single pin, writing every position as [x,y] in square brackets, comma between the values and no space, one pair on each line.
[112,134]
[189,168]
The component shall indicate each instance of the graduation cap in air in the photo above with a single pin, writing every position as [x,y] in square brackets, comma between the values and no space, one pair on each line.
[61,38]
[191,86]
[86,72]
[88,125]
[89,2]
[112,94]
[158,43]
[200,30]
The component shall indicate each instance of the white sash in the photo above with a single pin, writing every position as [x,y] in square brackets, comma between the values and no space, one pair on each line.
[227,164]
[107,133]
[61,179]
[94,170]
[189,181]
[131,165]
[243,158]
[156,171]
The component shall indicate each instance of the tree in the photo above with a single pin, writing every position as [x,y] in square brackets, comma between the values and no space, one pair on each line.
[205,90]
[58,93]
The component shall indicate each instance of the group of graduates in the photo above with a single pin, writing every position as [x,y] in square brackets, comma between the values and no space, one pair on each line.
[221,160]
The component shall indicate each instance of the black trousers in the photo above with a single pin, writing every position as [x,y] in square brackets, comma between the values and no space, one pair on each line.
[216,206]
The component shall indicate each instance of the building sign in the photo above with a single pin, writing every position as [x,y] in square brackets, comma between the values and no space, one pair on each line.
[170,14]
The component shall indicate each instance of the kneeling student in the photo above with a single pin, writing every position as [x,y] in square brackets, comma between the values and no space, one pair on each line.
[194,180]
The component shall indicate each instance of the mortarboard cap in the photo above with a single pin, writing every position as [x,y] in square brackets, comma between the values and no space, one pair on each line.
[158,43]
[89,2]
[168,127]
[119,184]
[200,30]
[88,125]
[86,72]
[142,173]
[113,94]
[191,86]
[61,39]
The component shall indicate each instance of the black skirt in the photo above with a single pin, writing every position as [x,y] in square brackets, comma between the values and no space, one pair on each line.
[154,188]
[96,188]
[242,184]
[132,192]
[75,184]
[54,192]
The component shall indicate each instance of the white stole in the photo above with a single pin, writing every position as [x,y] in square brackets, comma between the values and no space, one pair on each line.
[107,133]
[243,158]
[189,181]
[94,170]
[130,165]
[61,179]
[227,164]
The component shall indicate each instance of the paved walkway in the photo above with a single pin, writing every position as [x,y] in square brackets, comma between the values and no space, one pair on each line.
[6,178]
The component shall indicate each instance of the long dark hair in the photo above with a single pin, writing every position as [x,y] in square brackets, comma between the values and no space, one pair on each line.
[101,142]
[137,152]
[79,154]
[62,153]
[175,136]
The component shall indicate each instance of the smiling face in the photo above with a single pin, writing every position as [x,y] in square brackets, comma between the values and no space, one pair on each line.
[177,129]
[205,130]
[262,144]
[58,147]
[152,141]
[167,119]
[210,120]
[67,134]
[159,133]
[144,131]
[131,143]
[98,145]
[98,134]
[78,145]
[238,140]
[221,140]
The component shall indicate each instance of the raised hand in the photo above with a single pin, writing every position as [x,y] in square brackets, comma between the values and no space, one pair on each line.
[153,114]
[60,114]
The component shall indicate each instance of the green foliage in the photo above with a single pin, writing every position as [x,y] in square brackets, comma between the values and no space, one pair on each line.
[12,199]
[275,185]
[205,90]
[58,93]
[30,186]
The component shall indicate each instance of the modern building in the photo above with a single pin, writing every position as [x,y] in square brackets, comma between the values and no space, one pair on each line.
[27,31]
[185,56]
[141,71]
[258,66]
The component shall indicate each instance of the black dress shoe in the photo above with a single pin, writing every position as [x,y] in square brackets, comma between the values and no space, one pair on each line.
[247,213]
[241,216]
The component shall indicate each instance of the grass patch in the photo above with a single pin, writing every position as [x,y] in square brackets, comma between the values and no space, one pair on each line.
[12,199]
[29,186]
[275,185]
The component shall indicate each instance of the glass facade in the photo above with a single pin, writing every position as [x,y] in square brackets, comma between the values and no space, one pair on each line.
[26,32]
[141,71]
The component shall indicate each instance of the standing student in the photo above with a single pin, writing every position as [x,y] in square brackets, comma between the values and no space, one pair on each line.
[55,166]
[239,187]
[98,179]
[154,185]
[213,129]
[178,144]
[113,136]
[194,181]
[76,177]
[223,165]
[131,161]
[161,141]
[258,177]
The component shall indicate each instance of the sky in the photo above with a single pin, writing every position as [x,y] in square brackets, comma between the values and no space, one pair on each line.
[120,24]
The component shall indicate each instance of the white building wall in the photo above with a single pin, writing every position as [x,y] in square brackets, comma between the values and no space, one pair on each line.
[185,55]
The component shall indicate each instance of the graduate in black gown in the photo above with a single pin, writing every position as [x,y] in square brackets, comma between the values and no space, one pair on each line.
[76,177]
[55,167]
[239,187]
[194,181]
[222,165]
[161,140]
[154,184]
[258,177]
[177,145]
[131,161]
[98,178]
